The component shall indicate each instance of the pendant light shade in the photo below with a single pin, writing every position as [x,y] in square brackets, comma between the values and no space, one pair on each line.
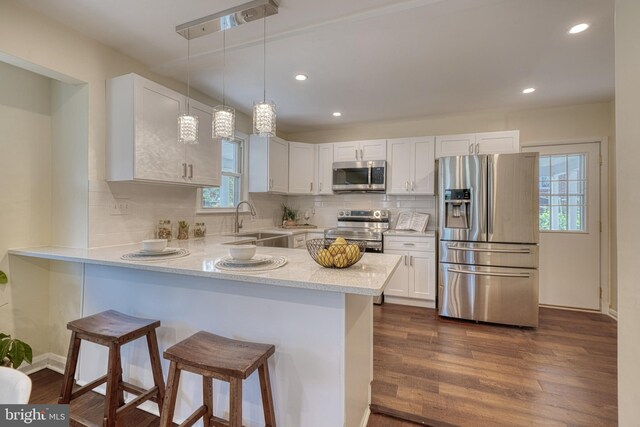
[264,113]
[264,118]
[187,123]
[224,117]
[224,122]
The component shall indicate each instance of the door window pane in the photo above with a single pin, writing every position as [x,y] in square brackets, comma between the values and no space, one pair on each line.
[562,192]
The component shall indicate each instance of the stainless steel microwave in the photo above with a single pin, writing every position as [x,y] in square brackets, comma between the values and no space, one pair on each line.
[364,176]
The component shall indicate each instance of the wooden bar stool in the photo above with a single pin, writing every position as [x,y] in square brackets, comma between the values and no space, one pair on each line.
[224,359]
[113,329]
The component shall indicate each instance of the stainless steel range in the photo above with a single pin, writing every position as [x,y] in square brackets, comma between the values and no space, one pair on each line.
[361,225]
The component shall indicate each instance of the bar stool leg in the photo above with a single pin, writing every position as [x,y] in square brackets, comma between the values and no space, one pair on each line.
[207,399]
[235,402]
[169,404]
[267,397]
[156,366]
[70,369]
[113,375]
[120,389]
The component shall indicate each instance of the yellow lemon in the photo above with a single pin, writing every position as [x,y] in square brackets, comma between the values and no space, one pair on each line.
[325,258]
[353,252]
[340,241]
[340,261]
[337,248]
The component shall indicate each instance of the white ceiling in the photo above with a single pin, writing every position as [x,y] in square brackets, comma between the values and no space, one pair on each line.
[371,59]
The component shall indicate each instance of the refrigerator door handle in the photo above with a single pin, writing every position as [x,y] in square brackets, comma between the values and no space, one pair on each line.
[484,273]
[504,251]
[489,197]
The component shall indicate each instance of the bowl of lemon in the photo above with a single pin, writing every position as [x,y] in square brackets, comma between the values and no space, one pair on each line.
[338,253]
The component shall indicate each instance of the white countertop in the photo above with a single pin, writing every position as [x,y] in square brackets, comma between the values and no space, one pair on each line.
[410,233]
[367,277]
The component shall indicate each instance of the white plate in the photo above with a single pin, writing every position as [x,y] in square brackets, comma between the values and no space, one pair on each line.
[165,251]
[256,260]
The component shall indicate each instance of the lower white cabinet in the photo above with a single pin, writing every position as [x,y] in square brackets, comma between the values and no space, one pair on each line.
[414,281]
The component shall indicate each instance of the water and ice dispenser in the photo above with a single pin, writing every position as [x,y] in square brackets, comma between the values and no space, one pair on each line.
[457,208]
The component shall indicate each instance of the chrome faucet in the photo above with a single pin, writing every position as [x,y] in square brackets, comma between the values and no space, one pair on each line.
[237,225]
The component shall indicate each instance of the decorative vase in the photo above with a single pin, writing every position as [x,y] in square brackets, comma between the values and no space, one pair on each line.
[183,233]
[289,222]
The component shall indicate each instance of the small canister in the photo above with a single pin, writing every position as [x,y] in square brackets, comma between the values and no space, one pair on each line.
[199,230]
[164,229]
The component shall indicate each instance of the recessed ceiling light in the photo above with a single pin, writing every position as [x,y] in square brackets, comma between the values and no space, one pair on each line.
[578,28]
[301,77]
[529,90]
[337,114]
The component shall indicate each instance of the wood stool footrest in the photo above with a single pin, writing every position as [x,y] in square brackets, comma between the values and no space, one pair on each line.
[76,421]
[134,389]
[193,418]
[88,387]
[137,401]
[219,422]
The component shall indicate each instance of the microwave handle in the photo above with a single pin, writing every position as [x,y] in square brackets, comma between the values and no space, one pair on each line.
[369,175]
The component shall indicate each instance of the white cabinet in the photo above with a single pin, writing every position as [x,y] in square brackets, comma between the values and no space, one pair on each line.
[411,165]
[478,143]
[324,169]
[375,149]
[142,136]
[268,165]
[414,281]
[298,241]
[302,165]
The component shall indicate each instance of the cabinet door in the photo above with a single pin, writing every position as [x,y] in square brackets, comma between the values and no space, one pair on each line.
[423,163]
[325,169]
[203,158]
[498,142]
[301,167]
[455,145]
[278,165]
[422,275]
[159,156]
[399,161]
[399,283]
[346,151]
[373,150]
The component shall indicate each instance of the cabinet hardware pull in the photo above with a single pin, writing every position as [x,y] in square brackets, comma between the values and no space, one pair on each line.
[320,187]
[405,260]
[411,260]
[356,154]
[470,148]
[311,187]
[413,185]
[184,170]
[361,156]
[409,244]
[477,148]
[406,185]
[190,171]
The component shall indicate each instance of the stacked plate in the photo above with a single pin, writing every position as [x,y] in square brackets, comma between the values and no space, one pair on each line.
[257,263]
[147,255]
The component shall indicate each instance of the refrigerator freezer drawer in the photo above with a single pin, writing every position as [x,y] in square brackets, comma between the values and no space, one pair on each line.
[489,254]
[489,294]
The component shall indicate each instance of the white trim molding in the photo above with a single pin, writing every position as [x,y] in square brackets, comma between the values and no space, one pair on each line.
[613,314]
[45,361]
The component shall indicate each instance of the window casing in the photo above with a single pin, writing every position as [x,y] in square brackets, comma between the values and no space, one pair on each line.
[232,182]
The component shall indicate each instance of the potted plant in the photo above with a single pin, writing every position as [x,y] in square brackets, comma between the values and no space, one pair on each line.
[13,351]
[183,230]
[289,216]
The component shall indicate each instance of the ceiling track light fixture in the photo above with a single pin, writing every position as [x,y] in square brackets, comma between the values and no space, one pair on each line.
[224,117]
[264,113]
[187,123]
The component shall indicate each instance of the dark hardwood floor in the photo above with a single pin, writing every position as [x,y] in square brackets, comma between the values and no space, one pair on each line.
[442,372]
[450,372]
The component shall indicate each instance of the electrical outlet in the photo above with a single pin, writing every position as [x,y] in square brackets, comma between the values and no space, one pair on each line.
[120,207]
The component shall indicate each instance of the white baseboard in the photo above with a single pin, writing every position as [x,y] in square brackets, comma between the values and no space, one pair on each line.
[613,314]
[45,361]
[365,417]
[410,301]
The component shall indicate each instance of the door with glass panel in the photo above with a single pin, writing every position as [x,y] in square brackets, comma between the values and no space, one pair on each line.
[569,188]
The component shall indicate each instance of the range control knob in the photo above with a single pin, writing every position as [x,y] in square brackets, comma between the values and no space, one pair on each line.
[347,213]
[385,214]
[376,214]
[340,213]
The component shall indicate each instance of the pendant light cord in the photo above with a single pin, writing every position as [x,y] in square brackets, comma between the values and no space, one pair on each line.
[188,72]
[264,55]
[224,63]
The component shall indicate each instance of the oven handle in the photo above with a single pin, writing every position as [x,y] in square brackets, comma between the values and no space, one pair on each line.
[484,273]
[503,251]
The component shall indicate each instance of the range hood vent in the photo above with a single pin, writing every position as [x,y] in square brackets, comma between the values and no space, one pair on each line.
[242,14]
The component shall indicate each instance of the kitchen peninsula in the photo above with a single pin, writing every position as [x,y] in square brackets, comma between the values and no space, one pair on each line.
[320,320]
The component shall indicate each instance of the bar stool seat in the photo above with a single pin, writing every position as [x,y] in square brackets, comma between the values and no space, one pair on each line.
[113,329]
[224,359]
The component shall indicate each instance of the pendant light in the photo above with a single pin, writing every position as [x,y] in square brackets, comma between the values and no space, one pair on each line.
[264,113]
[224,117]
[188,124]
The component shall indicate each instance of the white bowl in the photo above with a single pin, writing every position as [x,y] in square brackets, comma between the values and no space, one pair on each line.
[154,245]
[242,251]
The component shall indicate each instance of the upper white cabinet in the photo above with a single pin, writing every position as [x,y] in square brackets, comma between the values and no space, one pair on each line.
[375,149]
[142,136]
[478,143]
[410,165]
[268,165]
[324,169]
[302,165]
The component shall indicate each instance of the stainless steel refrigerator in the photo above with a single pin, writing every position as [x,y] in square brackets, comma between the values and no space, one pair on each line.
[488,228]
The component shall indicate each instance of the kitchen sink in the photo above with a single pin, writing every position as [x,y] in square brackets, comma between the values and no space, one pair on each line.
[262,239]
[259,235]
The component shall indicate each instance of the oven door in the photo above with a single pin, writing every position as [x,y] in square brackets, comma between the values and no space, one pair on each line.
[367,176]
